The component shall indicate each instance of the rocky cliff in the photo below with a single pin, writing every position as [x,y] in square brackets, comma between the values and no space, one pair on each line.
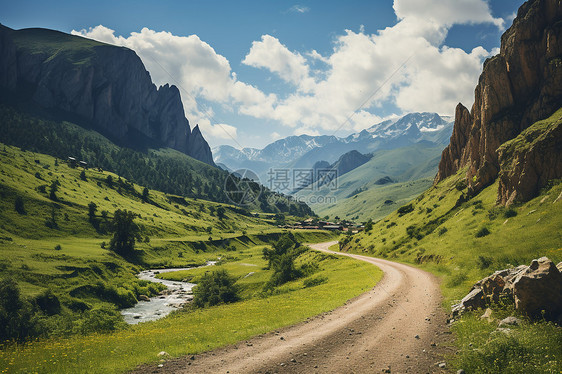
[518,87]
[105,86]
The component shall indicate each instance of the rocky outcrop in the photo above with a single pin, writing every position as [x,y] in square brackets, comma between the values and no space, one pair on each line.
[518,87]
[529,161]
[105,86]
[536,290]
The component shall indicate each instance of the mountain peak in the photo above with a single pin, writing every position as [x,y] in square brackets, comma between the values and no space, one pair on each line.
[103,85]
[517,87]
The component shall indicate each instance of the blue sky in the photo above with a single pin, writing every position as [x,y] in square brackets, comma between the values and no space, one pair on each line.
[251,72]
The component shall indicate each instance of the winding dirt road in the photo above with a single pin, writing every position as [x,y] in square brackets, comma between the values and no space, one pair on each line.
[399,324]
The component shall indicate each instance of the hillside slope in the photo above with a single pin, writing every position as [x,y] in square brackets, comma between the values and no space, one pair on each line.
[371,191]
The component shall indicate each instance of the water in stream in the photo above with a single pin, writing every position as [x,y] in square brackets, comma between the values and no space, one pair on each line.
[177,294]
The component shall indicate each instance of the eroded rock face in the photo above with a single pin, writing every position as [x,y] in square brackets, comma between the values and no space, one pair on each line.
[536,290]
[534,158]
[104,85]
[521,85]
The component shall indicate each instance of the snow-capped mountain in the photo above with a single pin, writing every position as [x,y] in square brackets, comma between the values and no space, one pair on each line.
[304,151]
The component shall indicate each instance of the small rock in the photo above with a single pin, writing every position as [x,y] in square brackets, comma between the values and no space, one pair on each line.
[433,344]
[386,369]
[282,364]
[442,365]
[407,356]
[510,321]
[144,298]
[163,354]
[192,358]
[487,315]
[282,338]
[502,330]
[160,365]
[293,360]
[417,336]
[460,371]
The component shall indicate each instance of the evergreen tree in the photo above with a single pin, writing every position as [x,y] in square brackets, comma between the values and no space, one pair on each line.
[125,232]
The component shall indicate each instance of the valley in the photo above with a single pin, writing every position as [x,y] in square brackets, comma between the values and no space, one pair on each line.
[364,230]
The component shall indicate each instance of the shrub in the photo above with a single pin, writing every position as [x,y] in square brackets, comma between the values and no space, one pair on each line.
[48,303]
[18,205]
[461,185]
[83,176]
[405,209]
[58,247]
[483,262]
[510,212]
[482,232]
[53,191]
[17,320]
[215,288]
[311,282]
[442,231]
[369,225]
[101,320]
[281,258]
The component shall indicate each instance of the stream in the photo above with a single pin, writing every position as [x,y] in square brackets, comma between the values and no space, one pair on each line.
[174,297]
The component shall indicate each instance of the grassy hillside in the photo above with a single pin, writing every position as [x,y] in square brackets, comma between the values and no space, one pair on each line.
[464,239]
[51,246]
[376,201]
[165,169]
[55,43]
[362,195]
[51,242]
[193,331]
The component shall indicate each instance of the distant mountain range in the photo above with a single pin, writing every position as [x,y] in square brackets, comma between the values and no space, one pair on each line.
[424,129]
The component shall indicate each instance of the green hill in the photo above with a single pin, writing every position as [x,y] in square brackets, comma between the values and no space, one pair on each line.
[378,187]
[162,169]
[50,241]
[464,238]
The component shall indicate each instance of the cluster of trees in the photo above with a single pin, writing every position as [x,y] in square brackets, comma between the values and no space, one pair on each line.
[214,288]
[171,174]
[281,259]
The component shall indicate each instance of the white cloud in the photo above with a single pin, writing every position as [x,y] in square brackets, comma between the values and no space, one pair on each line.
[270,54]
[218,131]
[405,65]
[275,136]
[447,12]
[299,9]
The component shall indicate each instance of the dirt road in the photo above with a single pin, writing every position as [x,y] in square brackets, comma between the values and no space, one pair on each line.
[398,324]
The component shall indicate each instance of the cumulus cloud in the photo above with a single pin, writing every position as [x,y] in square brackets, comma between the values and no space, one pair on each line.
[405,66]
[447,12]
[270,54]
[218,131]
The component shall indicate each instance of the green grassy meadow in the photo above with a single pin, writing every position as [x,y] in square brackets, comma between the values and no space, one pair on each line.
[53,245]
[193,331]
[464,240]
